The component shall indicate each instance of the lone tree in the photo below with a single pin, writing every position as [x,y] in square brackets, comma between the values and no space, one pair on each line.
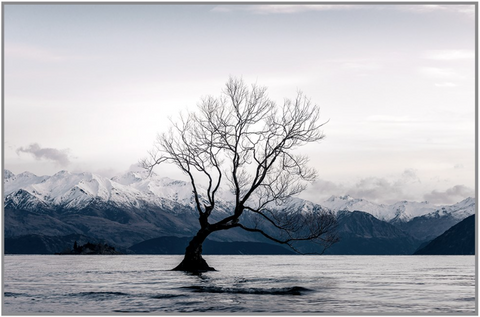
[244,140]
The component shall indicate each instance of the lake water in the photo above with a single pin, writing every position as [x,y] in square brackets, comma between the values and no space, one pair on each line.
[48,284]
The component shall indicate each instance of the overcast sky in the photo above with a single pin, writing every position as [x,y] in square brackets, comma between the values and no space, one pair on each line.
[88,87]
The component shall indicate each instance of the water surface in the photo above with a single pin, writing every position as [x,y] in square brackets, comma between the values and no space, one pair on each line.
[242,284]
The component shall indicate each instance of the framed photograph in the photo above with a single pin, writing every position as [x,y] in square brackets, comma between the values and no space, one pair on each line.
[239,158]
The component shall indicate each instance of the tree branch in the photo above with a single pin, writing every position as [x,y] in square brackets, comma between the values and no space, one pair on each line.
[244,139]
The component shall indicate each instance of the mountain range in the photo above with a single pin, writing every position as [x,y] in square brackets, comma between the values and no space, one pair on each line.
[135,207]
[458,240]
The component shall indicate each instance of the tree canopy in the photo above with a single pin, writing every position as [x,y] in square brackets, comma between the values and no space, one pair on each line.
[246,142]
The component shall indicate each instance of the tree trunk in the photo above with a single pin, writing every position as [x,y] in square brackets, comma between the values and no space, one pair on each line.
[193,261]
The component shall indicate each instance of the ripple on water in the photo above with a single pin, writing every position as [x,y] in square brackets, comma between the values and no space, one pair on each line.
[295,290]
[254,284]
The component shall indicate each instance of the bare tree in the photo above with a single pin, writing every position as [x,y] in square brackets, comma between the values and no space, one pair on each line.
[244,140]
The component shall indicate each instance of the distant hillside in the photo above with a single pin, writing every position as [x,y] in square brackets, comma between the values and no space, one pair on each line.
[176,245]
[131,209]
[429,226]
[361,234]
[42,244]
[458,240]
[90,249]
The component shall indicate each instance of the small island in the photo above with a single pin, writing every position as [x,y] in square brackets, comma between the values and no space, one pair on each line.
[89,249]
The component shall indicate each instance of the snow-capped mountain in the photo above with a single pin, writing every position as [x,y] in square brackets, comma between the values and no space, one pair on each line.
[135,206]
[406,210]
[135,189]
[7,174]
[15,182]
[154,186]
[77,190]
[401,211]
[70,190]
[301,206]
[460,210]
[346,202]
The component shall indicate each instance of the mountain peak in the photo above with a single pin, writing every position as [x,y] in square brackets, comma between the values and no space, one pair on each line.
[26,174]
[7,174]
[467,201]
[133,177]
[138,187]
[62,173]
[334,198]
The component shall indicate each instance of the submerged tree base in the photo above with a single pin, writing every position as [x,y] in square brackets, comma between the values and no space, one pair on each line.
[194,266]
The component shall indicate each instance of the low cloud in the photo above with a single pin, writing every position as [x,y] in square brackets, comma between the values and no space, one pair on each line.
[450,196]
[324,185]
[375,189]
[137,167]
[59,157]
[379,190]
[321,190]
[386,190]
[408,176]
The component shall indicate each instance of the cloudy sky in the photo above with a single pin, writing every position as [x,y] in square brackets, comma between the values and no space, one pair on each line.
[88,87]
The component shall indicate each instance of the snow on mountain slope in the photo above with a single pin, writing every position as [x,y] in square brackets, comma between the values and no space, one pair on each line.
[137,189]
[153,185]
[294,204]
[78,190]
[22,199]
[174,190]
[460,210]
[7,174]
[406,210]
[399,211]
[22,180]
[74,190]
[337,203]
